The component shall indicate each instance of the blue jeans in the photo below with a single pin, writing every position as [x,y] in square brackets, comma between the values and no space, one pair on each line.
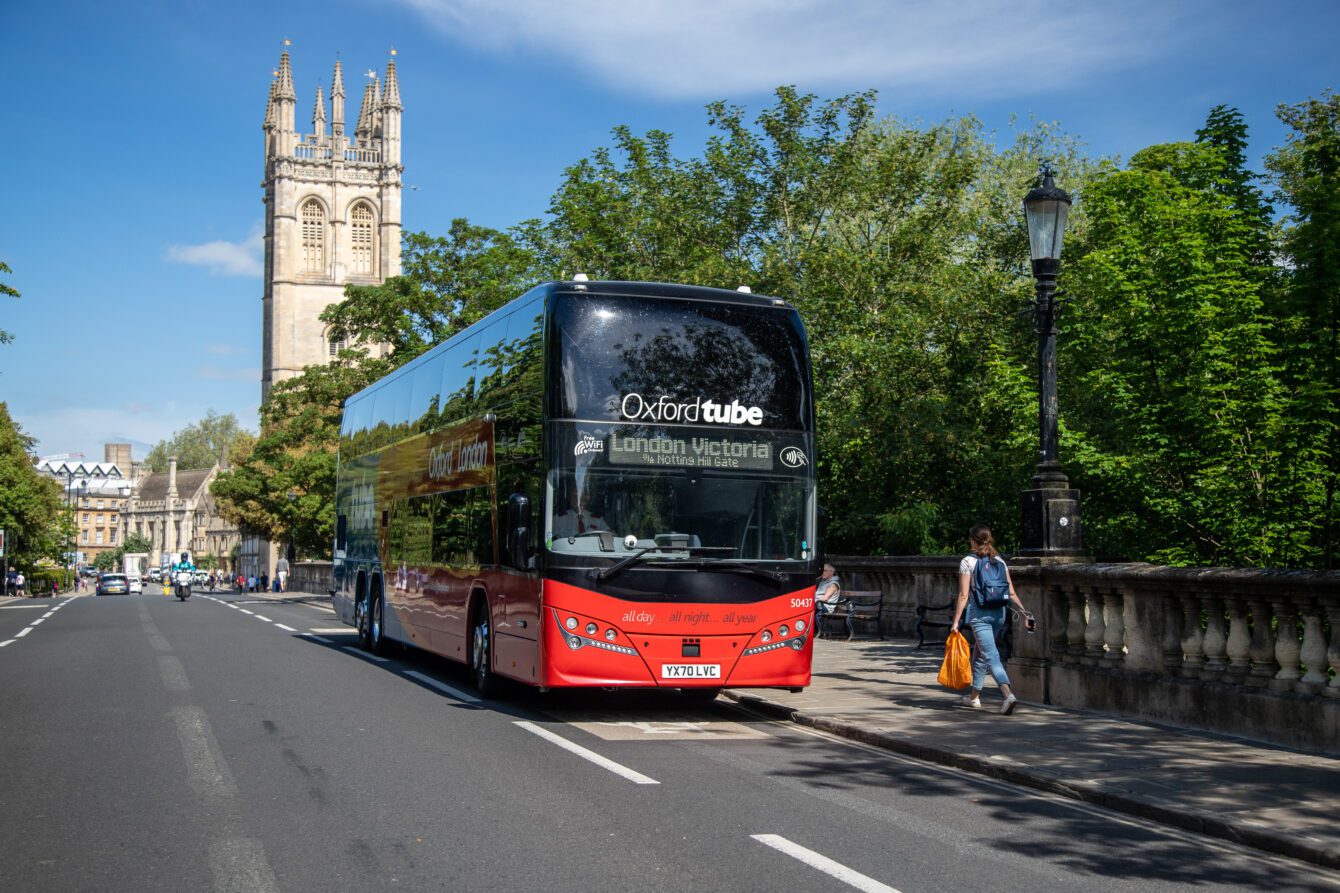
[986,657]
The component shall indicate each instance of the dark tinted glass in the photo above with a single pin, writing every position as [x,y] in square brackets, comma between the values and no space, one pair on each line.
[667,361]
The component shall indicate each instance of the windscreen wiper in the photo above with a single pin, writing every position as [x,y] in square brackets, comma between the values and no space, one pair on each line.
[623,564]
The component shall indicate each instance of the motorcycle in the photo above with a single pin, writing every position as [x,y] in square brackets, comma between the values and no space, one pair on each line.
[182,583]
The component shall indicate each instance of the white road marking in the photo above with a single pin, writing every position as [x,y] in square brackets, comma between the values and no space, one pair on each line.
[206,771]
[592,756]
[174,674]
[20,607]
[7,642]
[38,621]
[364,654]
[259,617]
[316,638]
[823,863]
[245,611]
[48,613]
[334,630]
[23,632]
[289,628]
[239,864]
[443,687]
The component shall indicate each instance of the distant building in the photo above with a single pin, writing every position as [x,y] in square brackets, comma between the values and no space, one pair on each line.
[97,493]
[176,512]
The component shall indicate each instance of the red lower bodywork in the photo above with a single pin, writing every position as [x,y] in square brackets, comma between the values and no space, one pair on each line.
[591,639]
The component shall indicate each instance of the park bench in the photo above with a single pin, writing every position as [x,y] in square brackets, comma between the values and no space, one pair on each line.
[854,607]
[943,619]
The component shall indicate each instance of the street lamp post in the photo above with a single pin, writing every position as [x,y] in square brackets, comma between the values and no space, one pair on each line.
[1051,519]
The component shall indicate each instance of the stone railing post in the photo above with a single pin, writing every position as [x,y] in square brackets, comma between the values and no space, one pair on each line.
[1074,628]
[1114,631]
[1193,638]
[1332,606]
[1095,628]
[1215,644]
[1262,648]
[1172,633]
[1287,647]
[1239,640]
[1313,650]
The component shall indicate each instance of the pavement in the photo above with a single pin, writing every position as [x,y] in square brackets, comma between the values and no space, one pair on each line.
[885,693]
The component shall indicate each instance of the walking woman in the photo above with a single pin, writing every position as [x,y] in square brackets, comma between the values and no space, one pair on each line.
[985,590]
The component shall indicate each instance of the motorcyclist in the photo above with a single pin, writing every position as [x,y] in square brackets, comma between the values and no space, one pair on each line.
[183,572]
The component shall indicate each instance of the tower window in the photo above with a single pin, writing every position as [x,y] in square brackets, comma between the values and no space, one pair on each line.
[336,346]
[313,237]
[361,233]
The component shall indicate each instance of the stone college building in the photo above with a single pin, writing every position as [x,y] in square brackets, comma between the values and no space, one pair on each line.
[332,218]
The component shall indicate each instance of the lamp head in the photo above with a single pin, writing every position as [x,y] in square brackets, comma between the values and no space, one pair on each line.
[1046,207]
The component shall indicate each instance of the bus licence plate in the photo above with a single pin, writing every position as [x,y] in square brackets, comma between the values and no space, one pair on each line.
[690,671]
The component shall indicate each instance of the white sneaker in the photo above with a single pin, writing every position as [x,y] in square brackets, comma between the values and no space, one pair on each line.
[1008,707]
[970,700]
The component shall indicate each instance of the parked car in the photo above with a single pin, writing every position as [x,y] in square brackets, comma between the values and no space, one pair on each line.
[155,575]
[113,584]
[134,583]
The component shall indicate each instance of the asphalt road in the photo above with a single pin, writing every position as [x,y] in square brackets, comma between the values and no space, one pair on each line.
[231,743]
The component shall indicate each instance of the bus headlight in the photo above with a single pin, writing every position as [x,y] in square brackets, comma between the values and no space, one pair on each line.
[570,623]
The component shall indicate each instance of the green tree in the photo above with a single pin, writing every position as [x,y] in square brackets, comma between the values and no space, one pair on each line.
[1306,173]
[6,337]
[295,454]
[1173,407]
[33,513]
[201,444]
[903,249]
[445,285]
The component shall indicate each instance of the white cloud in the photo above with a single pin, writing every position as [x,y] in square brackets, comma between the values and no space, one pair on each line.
[719,48]
[224,258]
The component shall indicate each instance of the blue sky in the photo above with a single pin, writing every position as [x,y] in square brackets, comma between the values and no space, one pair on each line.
[133,147]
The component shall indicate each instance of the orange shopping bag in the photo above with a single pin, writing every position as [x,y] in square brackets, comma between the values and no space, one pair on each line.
[956,672]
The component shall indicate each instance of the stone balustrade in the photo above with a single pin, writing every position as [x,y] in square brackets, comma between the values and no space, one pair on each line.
[1237,650]
[310,576]
[366,156]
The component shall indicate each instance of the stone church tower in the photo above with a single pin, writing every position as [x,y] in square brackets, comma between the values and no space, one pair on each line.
[332,213]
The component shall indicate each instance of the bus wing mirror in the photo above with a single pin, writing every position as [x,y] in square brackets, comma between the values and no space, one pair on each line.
[518,523]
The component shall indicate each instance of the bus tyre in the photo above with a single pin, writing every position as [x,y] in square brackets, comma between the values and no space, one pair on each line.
[481,656]
[376,627]
[363,624]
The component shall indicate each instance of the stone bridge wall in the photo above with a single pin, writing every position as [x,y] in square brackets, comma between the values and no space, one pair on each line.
[1241,651]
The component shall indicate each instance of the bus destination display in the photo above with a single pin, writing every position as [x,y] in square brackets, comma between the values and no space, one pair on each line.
[691,452]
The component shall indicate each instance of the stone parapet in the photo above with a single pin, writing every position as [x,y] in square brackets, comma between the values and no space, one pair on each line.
[1238,650]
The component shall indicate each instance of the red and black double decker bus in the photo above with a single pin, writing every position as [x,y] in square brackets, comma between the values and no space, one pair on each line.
[600,484]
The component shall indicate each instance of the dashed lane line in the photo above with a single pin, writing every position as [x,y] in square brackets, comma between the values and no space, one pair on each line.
[456,693]
[316,638]
[363,654]
[289,628]
[591,756]
[820,862]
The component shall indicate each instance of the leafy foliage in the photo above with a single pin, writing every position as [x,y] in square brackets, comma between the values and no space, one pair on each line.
[9,291]
[1306,173]
[1198,373]
[33,513]
[201,444]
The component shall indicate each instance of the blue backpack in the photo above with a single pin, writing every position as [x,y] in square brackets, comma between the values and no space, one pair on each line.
[990,583]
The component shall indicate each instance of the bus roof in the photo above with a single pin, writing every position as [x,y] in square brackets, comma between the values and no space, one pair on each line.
[592,287]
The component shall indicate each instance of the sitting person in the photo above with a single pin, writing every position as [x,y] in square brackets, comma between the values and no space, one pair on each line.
[828,593]
[578,519]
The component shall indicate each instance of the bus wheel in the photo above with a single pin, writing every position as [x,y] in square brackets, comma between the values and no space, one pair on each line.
[363,623]
[481,657]
[376,626]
